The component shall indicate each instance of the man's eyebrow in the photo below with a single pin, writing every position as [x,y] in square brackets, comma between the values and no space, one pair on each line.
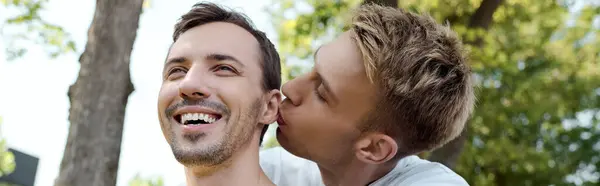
[175,60]
[323,80]
[223,57]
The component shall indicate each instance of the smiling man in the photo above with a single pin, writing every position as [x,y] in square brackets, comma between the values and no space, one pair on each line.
[219,92]
[394,85]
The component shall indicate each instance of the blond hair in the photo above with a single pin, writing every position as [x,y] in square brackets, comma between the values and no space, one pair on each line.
[421,71]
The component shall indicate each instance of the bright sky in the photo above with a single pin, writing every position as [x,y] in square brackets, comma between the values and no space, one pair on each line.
[37,85]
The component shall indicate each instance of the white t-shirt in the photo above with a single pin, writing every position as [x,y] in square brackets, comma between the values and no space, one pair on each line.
[285,169]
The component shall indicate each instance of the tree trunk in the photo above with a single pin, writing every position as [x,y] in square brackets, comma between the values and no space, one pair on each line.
[392,3]
[482,18]
[99,97]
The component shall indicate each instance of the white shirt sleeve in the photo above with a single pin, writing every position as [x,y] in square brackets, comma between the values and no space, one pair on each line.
[437,178]
[436,174]
[441,180]
[285,169]
[413,171]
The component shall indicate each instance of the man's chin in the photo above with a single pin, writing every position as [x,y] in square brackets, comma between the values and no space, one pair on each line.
[201,157]
[285,144]
[192,138]
[199,151]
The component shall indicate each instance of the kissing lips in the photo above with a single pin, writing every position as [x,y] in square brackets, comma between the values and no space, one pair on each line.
[280,120]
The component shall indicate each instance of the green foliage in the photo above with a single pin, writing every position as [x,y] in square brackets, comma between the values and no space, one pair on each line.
[31,26]
[270,143]
[139,181]
[8,184]
[538,77]
[7,159]
[297,34]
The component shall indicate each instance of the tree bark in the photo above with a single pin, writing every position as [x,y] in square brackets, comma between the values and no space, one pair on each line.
[391,3]
[482,18]
[99,97]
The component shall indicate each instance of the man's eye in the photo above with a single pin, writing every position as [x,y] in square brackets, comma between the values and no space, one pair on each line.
[175,70]
[319,96]
[224,67]
[175,73]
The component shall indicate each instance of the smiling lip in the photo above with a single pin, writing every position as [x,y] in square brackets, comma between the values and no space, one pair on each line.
[197,109]
[195,129]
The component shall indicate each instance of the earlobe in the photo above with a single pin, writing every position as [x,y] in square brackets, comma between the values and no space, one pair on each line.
[269,115]
[376,148]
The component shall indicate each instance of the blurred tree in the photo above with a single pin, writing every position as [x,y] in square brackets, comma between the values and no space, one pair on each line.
[99,96]
[57,41]
[28,25]
[80,164]
[270,143]
[479,20]
[391,3]
[537,68]
[7,159]
[139,181]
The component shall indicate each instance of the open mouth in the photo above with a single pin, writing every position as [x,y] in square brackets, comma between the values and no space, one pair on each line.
[197,118]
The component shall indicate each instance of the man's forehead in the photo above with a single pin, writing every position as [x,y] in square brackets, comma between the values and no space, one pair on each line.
[218,35]
[214,38]
[340,63]
[334,59]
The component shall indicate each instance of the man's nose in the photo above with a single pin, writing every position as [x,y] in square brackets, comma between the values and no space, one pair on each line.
[293,90]
[194,85]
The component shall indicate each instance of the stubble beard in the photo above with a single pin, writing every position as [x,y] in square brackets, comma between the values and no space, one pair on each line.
[238,133]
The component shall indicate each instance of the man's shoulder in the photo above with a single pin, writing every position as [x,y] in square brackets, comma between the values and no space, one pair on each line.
[413,171]
[284,168]
[276,155]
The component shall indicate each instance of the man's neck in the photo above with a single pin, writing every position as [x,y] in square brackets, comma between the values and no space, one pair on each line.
[241,169]
[355,173]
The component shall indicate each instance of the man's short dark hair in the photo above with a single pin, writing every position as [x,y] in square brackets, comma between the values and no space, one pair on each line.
[206,12]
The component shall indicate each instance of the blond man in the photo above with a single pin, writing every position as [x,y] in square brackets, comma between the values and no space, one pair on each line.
[394,85]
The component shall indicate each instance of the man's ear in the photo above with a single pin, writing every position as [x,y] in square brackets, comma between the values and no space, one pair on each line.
[375,148]
[271,107]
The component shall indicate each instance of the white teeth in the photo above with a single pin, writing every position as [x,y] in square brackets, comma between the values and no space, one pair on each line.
[197,116]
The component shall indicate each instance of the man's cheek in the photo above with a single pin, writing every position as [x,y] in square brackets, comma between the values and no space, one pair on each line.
[168,91]
[165,98]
